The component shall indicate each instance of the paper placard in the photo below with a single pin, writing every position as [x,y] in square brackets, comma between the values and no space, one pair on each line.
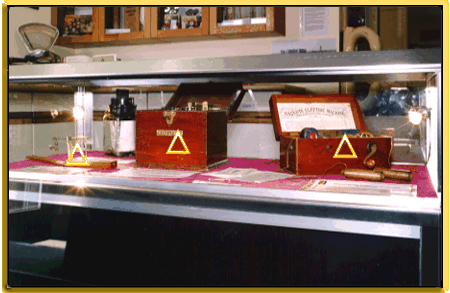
[314,21]
[362,187]
[304,46]
[296,116]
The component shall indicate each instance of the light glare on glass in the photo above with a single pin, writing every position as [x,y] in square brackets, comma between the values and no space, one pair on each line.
[415,117]
[80,183]
[78,113]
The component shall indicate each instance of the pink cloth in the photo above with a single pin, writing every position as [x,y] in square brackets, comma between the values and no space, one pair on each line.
[421,178]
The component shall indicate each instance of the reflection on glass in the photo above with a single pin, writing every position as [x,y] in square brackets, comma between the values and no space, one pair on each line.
[386,107]
[77,21]
[119,20]
[16,206]
[232,15]
[172,18]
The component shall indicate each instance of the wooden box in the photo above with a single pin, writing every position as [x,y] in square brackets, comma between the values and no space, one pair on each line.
[308,156]
[201,143]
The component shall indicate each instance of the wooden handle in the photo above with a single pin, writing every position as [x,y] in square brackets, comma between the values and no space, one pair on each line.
[46,160]
[110,164]
[363,174]
[404,175]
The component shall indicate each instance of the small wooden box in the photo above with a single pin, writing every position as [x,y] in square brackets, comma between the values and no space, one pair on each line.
[202,140]
[304,156]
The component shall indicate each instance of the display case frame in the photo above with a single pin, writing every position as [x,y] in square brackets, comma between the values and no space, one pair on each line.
[338,212]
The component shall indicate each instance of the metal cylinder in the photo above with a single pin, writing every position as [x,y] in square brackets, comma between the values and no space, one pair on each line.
[404,175]
[363,174]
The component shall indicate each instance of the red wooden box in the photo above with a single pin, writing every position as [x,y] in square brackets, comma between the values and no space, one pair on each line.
[304,156]
[202,140]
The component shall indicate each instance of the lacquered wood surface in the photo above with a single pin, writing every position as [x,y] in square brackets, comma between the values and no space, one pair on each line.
[313,157]
[204,134]
[222,94]
[275,26]
[217,137]
[111,164]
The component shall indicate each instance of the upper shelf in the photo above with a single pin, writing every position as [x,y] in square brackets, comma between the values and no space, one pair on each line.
[310,67]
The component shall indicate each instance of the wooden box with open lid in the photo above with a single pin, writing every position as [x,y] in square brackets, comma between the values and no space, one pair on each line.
[325,134]
[191,131]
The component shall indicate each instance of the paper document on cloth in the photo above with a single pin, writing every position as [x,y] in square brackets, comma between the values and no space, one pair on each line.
[56,170]
[264,176]
[125,161]
[150,173]
[248,175]
[361,187]
[231,173]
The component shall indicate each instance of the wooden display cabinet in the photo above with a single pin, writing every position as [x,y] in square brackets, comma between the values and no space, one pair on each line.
[157,14]
[275,23]
[149,31]
[109,18]
[58,19]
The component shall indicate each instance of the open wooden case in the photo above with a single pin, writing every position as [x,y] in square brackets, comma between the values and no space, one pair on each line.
[184,135]
[317,156]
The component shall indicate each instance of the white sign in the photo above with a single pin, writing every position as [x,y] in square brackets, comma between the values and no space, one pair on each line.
[323,116]
[314,21]
[361,187]
[248,175]
[304,46]
[148,173]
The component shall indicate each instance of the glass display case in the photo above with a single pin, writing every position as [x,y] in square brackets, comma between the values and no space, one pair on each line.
[226,20]
[181,22]
[238,15]
[399,94]
[123,23]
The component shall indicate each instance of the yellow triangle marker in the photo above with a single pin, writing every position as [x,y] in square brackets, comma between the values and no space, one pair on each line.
[336,154]
[68,162]
[186,150]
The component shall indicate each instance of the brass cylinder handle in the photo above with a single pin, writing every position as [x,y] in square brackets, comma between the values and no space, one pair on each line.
[363,175]
[404,175]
